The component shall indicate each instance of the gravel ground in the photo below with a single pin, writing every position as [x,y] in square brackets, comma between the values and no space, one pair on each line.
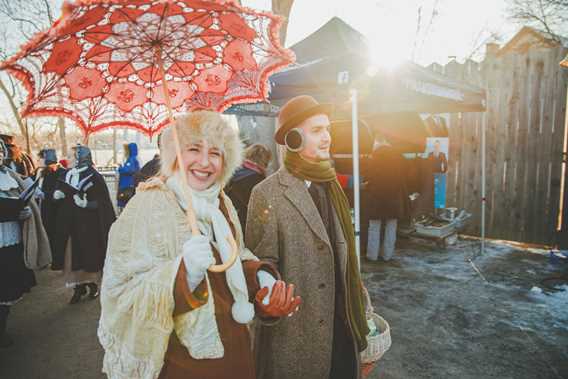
[449,322]
[446,320]
[52,339]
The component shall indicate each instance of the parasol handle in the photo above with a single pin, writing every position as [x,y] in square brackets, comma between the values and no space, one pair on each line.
[190,213]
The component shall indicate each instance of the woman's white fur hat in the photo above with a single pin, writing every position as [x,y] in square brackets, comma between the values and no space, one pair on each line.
[218,130]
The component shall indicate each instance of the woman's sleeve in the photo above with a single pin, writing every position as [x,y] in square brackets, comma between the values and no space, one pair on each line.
[185,299]
[137,292]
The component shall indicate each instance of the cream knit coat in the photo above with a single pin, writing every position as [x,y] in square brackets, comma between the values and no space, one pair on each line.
[137,294]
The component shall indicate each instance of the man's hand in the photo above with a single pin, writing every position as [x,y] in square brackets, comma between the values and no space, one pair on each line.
[81,202]
[58,195]
[282,301]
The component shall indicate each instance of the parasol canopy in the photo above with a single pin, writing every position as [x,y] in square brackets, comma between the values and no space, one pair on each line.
[103,63]
[132,63]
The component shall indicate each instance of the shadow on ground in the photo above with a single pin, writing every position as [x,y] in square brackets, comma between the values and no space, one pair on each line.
[448,321]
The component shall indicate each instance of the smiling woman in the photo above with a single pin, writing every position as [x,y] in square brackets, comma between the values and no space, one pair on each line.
[207,140]
[163,314]
[203,163]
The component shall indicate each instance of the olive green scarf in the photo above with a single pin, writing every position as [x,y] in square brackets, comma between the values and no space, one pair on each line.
[323,172]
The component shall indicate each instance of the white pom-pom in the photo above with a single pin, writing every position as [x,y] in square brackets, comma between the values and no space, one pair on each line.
[243,312]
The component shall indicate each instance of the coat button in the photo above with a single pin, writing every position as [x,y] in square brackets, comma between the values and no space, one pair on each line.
[321,322]
[321,245]
[321,286]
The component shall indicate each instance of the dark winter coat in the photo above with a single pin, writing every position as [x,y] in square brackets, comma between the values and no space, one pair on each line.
[88,227]
[149,170]
[49,206]
[387,194]
[240,188]
[126,176]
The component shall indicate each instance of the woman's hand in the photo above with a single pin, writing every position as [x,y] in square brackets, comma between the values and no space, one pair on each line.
[282,301]
[197,257]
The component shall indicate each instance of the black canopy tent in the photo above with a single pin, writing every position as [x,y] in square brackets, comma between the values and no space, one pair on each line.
[409,88]
[333,65]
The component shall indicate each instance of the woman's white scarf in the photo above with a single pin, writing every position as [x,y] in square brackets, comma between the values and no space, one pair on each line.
[213,224]
[72,176]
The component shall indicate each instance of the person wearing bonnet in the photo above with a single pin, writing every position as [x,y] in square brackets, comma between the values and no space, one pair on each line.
[164,315]
[23,243]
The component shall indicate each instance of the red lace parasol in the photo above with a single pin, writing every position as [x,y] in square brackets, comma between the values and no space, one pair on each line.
[103,63]
[131,63]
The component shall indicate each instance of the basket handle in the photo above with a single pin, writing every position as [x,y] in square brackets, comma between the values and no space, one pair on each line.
[369,309]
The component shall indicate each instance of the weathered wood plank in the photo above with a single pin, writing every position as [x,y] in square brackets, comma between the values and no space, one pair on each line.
[561,82]
[522,142]
[503,147]
[534,145]
[525,133]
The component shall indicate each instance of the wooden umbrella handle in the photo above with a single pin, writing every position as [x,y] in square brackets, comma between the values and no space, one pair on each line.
[190,214]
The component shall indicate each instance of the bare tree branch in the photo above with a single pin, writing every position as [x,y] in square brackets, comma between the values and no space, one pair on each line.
[549,16]
[48,11]
[21,20]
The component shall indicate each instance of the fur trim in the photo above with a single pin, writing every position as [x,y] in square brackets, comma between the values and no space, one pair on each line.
[218,130]
[152,183]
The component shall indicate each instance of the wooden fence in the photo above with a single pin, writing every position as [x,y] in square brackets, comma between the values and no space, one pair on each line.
[525,131]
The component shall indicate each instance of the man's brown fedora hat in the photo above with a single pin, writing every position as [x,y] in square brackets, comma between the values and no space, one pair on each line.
[295,111]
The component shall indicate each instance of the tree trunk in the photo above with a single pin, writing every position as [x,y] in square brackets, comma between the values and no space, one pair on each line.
[283,8]
[27,135]
[62,135]
[14,109]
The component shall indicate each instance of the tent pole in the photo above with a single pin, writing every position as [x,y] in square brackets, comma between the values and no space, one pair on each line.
[355,156]
[483,181]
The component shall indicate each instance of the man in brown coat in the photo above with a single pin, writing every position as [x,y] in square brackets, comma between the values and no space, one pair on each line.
[299,219]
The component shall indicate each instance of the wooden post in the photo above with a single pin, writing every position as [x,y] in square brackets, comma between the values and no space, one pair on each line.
[27,128]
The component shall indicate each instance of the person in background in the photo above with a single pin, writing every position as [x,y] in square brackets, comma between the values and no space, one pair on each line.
[64,163]
[252,172]
[49,172]
[23,244]
[126,173]
[163,314]
[84,217]
[17,160]
[387,199]
[438,159]
[150,169]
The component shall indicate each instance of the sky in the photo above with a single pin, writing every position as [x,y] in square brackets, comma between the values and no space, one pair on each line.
[455,29]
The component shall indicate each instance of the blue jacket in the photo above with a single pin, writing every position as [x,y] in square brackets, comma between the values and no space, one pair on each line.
[131,166]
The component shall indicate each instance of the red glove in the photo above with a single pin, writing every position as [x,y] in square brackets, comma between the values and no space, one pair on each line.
[282,301]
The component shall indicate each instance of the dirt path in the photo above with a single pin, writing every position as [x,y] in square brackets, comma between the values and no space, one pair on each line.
[447,322]
[52,339]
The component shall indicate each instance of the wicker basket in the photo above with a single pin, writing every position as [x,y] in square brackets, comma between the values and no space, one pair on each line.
[379,344]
